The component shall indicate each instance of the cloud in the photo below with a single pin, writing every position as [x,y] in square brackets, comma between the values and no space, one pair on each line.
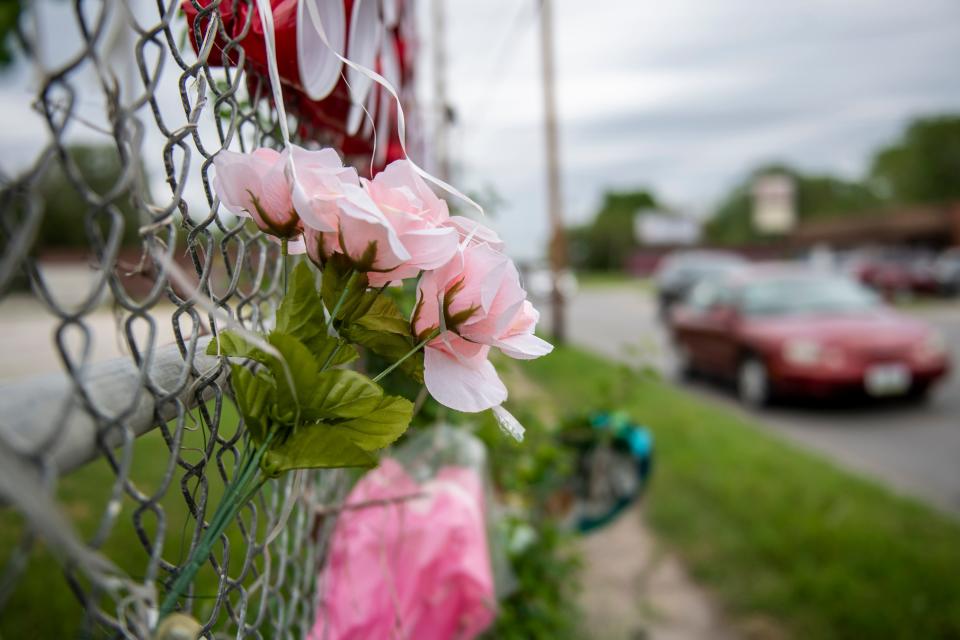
[683,96]
[686,97]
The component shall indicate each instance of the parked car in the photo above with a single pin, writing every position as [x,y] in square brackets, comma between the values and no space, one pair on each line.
[795,331]
[679,272]
[896,273]
[947,271]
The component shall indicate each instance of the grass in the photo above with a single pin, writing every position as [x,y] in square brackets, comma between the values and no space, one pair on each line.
[598,279]
[772,530]
[42,605]
[775,531]
[925,303]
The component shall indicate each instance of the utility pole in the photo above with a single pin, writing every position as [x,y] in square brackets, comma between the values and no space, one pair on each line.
[441,135]
[558,244]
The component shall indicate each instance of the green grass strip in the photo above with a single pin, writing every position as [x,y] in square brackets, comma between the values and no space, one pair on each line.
[775,531]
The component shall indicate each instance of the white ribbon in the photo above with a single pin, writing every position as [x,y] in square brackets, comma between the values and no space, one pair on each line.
[317,23]
[266,19]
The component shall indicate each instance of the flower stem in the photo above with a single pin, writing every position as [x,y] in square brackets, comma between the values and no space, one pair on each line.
[284,252]
[333,354]
[343,297]
[235,496]
[420,345]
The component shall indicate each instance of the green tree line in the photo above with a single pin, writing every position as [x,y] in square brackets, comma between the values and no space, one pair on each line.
[921,166]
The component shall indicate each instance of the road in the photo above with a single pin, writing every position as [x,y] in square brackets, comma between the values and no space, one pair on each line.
[913,449]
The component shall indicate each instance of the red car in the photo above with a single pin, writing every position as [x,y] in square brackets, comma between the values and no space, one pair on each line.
[897,274]
[792,331]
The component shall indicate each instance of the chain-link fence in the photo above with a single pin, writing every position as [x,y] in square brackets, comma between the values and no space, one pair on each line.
[162,266]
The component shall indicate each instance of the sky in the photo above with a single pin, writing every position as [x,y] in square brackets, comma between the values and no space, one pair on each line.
[685,97]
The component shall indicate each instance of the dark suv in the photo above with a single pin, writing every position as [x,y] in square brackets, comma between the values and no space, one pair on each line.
[680,271]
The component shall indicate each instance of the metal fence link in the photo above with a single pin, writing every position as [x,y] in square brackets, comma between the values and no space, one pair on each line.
[134,82]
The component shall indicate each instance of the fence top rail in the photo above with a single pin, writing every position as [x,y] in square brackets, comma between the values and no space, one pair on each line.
[45,415]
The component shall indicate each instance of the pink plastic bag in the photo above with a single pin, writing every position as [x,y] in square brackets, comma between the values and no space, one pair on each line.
[416,568]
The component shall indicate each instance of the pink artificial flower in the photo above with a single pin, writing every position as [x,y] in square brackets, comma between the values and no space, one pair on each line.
[419,217]
[477,302]
[459,375]
[470,229]
[339,216]
[257,185]
[319,180]
[319,245]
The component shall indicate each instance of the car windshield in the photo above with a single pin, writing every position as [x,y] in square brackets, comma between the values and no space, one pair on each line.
[695,269]
[805,295]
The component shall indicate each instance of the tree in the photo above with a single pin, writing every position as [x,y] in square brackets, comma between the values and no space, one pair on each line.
[607,242]
[64,210]
[923,165]
[9,16]
[732,221]
[818,196]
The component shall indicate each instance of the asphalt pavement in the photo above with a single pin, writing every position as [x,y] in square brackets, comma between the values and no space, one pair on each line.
[913,449]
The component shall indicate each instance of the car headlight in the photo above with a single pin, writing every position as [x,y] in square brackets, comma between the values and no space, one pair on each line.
[802,352]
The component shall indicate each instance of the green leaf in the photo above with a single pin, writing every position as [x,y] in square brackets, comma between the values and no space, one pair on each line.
[302,367]
[391,346]
[234,346]
[300,313]
[337,274]
[346,353]
[380,427]
[255,395]
[348,443]
[315,446]
[342,393]
[298,306]
[384,316]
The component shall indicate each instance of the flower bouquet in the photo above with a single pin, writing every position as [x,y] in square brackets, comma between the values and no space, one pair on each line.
[302,407]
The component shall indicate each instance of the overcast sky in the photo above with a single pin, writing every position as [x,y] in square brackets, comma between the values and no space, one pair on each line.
[687,96]
[683,97]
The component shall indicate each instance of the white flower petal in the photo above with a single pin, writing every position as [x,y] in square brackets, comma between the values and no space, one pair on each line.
[510,425]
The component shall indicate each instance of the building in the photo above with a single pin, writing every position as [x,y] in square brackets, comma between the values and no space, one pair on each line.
[656,228]
[927,226]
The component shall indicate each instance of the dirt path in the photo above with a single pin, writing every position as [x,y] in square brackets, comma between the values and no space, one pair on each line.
[633,589]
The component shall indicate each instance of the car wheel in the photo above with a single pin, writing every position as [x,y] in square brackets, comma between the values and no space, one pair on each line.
[753,382]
